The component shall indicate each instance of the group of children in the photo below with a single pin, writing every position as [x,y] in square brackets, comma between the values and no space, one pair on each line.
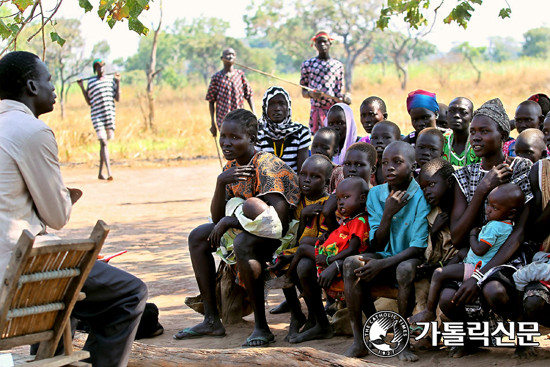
[388,209]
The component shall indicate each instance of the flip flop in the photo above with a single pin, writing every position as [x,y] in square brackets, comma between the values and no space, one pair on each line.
[193,335]
[265,341]
[416,330]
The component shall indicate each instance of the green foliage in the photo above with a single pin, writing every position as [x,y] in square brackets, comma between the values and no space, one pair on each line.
[412,10]
[503,49]
[22,13]
[537,43]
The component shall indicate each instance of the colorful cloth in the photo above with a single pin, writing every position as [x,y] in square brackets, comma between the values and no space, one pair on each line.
[229,92]
[422,99]
[335,179]
[544,185]
[365,139]
[465,158]
[493,234]
[314,226]
[509,148]
[439,247]
[411,139]
[409,227]
[469,177]
[338,241]
[325,76]
[351,132]
[320,34]
[101,92]
[537,270]
[272,175]
[295,136]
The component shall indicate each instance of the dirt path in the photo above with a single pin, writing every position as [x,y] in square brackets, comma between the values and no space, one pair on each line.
[151,212]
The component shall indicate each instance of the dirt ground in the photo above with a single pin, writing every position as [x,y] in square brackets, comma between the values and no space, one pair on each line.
[151,212]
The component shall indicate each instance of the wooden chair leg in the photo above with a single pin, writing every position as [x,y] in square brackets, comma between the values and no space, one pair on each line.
[68,339]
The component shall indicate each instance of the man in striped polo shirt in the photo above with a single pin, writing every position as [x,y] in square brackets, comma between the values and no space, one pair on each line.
[101,94]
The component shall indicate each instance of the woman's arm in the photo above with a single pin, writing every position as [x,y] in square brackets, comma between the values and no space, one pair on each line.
[281,207]
[463,216]
[229,176]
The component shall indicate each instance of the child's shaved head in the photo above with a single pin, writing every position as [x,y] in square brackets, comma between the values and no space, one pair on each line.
[405,148]
[509,195]
[531,145]
[393,126]
[528,115]
[321,161]
[377,101]
[438,166]
[356,183]
[433,131]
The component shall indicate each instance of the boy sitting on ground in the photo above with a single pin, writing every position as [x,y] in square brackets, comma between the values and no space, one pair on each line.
[399,234]
[503,203]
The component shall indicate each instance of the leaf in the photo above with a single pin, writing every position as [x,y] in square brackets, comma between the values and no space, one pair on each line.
[5,32]
[85,4]
[143,3]
[22,4]
[138,27]
[111,22]
[57,38]
[505,13]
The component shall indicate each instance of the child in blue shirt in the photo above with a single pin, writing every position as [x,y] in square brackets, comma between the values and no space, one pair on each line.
[503,204]
[398,236]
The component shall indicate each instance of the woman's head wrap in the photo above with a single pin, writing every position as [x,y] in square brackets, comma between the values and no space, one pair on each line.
[277,131]
[494,109]
[543,101]
[320,34]
[422,99]
[351,132]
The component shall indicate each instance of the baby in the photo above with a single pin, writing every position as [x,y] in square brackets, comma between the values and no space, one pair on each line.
[502,207]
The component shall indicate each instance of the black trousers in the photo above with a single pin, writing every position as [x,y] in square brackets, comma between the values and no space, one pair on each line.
[113,306]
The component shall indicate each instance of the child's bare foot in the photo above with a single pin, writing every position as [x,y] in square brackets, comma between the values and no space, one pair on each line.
[422,316]
[407,355]
[316,332]
[280,282]
[357,350]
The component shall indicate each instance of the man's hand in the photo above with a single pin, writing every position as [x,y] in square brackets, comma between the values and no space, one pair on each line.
[236,174]
[75,194]
[372,268]
[214,129]
[117,78]
[396,201]
[80,82]
[347,98]
[315,94]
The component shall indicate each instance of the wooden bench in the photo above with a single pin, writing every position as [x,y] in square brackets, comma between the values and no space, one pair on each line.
[41,285]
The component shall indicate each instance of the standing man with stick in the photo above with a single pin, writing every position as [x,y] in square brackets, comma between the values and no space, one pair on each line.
[324,75]
[101,94]
[227,91]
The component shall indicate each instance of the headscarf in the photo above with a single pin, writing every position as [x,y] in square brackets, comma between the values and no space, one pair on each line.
[277,131]
[423,99]
[351,132]
[543,101]
[496,112]
[320,34]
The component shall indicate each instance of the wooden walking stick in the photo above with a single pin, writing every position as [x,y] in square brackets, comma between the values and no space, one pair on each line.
[339,100]
[218,149]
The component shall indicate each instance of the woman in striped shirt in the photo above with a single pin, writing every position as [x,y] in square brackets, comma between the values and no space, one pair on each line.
[277,133]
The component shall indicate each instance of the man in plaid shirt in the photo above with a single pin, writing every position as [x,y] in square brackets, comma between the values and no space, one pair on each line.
[227,91]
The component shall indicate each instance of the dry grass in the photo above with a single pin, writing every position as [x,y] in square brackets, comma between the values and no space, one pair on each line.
[182,116]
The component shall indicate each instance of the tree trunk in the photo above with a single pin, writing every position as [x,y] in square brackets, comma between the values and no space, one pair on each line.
[401,73]
[348,76]
[151,72]
[144,355]
[476,69]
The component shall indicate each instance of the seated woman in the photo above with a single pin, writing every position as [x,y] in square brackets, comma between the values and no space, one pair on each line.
[247,174]
[277,133]
[490,127]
